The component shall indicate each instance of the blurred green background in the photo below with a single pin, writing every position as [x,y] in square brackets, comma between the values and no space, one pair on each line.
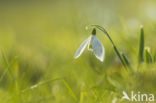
[38,40]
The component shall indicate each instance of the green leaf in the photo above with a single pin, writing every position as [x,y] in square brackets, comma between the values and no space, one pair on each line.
[8,64]
[40,84]
[141,46]
[148,56]
[128,64]
[70,90]
[118,54]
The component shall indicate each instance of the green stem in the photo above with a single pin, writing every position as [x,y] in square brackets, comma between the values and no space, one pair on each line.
[115,48]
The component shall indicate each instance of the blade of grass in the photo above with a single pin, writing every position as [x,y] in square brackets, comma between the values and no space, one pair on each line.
[148,56]
[7,69]
[114,46]
[141,46]
[40,84]
[70,90]
[96,97]
[4,73]
[128,64]
[8,65]
[81,97]
[15,81]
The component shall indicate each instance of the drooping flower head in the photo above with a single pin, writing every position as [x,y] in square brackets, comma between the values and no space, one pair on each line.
[94,45]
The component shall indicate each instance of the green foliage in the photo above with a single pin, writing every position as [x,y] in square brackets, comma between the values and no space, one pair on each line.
[126,61]
[148,56]
[38,41]
[70,90]
[141,46]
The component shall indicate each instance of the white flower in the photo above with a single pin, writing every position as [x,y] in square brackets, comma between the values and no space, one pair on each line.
[94,45]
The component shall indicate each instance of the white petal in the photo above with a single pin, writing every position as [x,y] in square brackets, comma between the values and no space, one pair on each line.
[81,48]
[98,49]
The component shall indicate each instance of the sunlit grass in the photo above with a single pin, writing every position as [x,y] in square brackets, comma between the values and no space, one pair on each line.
[38,41]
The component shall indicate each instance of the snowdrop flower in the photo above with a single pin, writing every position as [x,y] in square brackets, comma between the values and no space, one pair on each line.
[94,45]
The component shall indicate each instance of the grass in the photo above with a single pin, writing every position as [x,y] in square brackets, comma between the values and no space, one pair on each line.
[39,39]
